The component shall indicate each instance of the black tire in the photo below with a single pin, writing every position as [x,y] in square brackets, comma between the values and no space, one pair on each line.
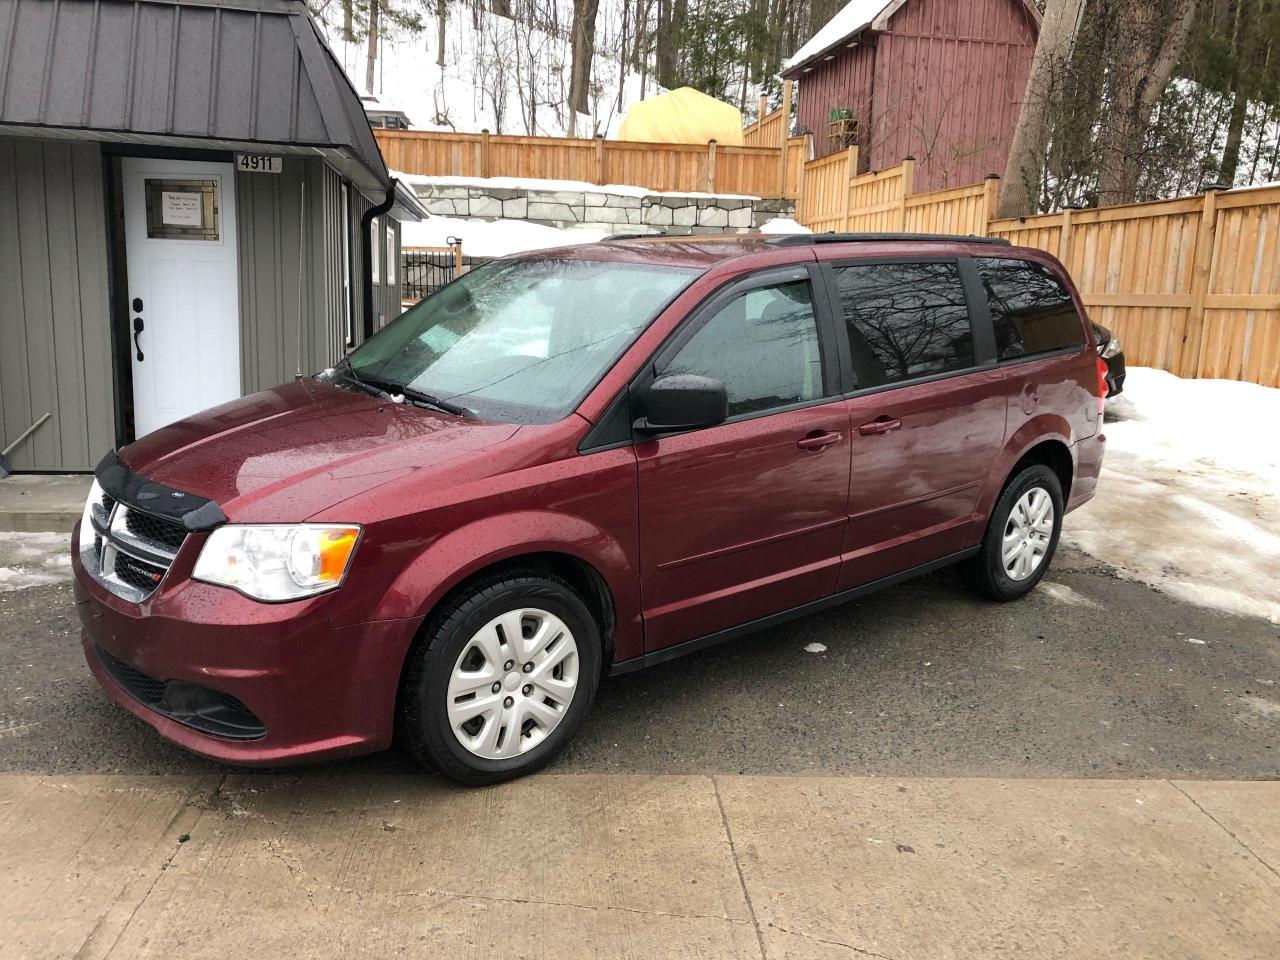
[984,572]
[422,722]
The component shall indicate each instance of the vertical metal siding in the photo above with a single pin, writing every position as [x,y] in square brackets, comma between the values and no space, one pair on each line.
[270,257]
[54,314]
[946,81]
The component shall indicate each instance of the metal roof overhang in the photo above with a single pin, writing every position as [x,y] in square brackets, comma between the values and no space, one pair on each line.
[248,75]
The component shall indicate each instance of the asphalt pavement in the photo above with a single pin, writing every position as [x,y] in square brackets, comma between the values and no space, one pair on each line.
[1091,676]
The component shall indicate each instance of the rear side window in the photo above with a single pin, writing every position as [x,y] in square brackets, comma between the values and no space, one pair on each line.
[1030,308]
[904,320]
[763,346]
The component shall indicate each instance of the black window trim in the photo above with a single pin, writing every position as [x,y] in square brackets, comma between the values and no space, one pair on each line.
[981,305]
[984,338]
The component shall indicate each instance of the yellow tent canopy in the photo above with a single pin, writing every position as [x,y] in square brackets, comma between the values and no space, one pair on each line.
[683,116]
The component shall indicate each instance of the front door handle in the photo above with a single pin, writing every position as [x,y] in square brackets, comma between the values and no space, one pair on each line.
[138,327]
[817,441]
[880,426]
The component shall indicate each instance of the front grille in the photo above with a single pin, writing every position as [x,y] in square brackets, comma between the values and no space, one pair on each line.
[141,576]
[195,706]
[130,551]
[149,529]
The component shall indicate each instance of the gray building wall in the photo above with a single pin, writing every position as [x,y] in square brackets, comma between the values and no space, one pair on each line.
[55,327]
[55,311]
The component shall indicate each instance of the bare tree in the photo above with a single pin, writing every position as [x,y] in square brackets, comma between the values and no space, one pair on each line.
[584,46]
[371,56]
[1030,148]
[1150,37]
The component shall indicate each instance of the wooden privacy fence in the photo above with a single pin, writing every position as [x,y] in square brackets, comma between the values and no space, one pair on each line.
[760,171]
[1191,285]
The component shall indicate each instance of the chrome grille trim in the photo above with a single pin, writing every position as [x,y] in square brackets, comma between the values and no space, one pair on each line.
[113,539]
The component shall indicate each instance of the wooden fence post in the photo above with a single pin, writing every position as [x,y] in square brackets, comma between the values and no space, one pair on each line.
[1201,273]
[484,153]
[908,181]
[990,202]
[599,158]
[805,149]
[762,111]
[711,166]
[784,132]
[1064,235]
[850,171]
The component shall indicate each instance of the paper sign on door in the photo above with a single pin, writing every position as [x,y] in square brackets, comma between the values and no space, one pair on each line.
[181,209]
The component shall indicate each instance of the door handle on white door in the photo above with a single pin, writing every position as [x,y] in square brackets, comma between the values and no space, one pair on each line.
[138,327]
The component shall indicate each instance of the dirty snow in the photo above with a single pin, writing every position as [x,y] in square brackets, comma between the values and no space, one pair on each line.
[1189,500]
[1064,594]
[33,559]
[815,648]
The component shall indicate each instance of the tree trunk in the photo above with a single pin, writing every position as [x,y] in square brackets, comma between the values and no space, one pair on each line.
[348,22]
[371,59]
[1151,39]
[1028,153]
[442,21]
[584,44]
[1235,134]
[501,7]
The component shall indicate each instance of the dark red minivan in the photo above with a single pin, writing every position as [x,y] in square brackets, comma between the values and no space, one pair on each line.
[577,463]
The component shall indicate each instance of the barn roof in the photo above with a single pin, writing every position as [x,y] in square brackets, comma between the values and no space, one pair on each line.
[219,74]
[855,17]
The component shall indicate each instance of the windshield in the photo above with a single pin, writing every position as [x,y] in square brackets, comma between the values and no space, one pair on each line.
[521,341]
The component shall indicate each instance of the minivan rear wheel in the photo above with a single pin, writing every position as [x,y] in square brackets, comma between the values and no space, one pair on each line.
[1021,536]
[500,678]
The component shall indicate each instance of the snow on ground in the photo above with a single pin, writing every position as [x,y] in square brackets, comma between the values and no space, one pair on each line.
[34,559]
[570,186]
[1189,499]
[499,75]
[494,238]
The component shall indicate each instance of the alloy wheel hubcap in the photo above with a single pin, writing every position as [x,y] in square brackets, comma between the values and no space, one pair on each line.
[513,683]
[1027,534]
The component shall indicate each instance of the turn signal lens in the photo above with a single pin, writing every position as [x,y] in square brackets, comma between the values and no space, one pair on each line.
[1103,387]
[274,563]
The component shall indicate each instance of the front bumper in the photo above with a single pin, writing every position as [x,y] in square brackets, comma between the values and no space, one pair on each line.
[317,691]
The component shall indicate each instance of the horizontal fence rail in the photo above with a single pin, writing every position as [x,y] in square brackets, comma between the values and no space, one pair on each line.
[759,171]
[1190,285]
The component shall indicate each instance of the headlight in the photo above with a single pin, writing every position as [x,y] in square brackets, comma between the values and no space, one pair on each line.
[278,563]
[92,506]
[1110,348]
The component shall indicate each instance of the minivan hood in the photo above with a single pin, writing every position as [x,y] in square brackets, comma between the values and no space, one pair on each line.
[283,455]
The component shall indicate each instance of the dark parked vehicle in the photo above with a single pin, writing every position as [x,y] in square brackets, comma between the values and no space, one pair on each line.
[577,463]
[1112,353]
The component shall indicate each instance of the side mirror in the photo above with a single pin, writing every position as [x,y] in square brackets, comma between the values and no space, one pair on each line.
[683,401]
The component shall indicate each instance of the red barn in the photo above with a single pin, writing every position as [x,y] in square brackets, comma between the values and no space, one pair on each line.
[939,80]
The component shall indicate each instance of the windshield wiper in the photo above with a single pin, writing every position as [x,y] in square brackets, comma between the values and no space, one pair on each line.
[398,393]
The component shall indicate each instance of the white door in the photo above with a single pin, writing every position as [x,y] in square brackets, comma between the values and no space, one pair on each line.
[184,303]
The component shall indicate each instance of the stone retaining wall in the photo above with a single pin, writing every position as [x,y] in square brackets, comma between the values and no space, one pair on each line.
[678,215]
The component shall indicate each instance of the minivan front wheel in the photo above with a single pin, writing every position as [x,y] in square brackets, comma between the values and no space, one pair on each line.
[1021,536]
[501,678]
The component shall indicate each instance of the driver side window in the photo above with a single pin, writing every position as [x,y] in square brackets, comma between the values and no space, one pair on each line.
[763,346]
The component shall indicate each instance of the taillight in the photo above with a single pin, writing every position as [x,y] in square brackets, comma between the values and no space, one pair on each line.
[1103,387]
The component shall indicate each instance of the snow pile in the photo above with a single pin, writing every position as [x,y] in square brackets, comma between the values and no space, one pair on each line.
[1189,499]
[34,559]
[567,186]
[499,74]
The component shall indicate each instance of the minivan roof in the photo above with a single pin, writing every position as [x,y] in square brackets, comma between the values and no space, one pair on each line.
[707,251]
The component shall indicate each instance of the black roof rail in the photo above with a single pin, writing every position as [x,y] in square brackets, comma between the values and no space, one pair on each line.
[809,239]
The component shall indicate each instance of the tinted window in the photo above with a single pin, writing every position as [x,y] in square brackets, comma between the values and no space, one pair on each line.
[904,320]
[763,346]
[1030,308]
